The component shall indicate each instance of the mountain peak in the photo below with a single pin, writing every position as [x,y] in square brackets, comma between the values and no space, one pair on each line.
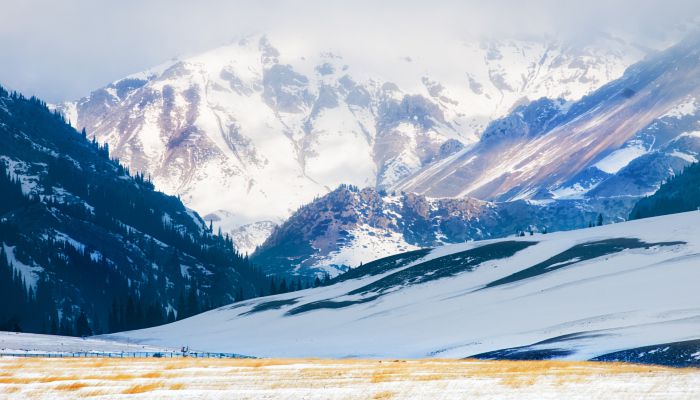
[267,124]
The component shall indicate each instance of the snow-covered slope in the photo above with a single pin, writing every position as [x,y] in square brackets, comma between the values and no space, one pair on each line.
[577,295]
[30,343]
[623,139]
[250,131]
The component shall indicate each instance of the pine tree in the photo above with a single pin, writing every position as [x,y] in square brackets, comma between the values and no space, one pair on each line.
[181,307]
[283,286]
[54,324]
[82,327]
[192,304]
[273,288]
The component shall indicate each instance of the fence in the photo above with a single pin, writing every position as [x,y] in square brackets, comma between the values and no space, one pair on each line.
[137,354]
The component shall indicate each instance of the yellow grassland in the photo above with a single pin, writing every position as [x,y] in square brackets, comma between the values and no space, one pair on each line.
[338,379]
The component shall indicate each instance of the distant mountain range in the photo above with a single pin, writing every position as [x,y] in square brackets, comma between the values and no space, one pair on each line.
[289,123]
[504,129]
[548,165]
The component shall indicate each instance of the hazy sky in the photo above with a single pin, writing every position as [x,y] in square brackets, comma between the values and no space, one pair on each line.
[62,50]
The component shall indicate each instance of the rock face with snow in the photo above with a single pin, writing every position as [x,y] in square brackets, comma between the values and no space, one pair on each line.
[572,295]
[622,139]
[250,131]
[558,163]
[350,226]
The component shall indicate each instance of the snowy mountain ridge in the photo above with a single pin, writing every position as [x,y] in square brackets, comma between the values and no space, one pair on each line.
[549,164]
[622,139]
[249,131]
[350,226]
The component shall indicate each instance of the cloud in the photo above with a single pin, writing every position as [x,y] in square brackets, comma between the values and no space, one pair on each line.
[62,50]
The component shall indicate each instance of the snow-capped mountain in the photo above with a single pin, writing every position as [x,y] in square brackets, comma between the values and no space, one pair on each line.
[250,131]
[622,139]
[559,163]
[350,226]
[575,295]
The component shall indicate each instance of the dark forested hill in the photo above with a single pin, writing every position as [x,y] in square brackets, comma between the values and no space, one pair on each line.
[679,194]
[86,246]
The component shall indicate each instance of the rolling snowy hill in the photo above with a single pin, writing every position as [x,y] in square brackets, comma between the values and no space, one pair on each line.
[246,133]
[574,295]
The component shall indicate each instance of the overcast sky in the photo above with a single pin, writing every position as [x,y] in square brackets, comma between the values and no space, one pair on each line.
[61,50]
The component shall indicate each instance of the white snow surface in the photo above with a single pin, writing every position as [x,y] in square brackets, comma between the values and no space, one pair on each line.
[684,109]
[624,300]
[620,158]
[369,244]
[248,237]
[30,273]
[28,343]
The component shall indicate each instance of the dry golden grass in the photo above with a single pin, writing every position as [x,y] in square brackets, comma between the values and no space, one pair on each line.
[71,386]
[10,389]
[71,378]
[117,377]
[518,380]
[94,393]
[383,395]
[385,375]
[143,388]
[172,365]
[16,365]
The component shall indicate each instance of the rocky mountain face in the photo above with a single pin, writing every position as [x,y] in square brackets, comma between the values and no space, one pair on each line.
[546,134]
[625,138]
[550,163]
[80,236]
[351,226]
[288,123]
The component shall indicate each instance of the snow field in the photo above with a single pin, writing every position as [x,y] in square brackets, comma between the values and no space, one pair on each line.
[626,299]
